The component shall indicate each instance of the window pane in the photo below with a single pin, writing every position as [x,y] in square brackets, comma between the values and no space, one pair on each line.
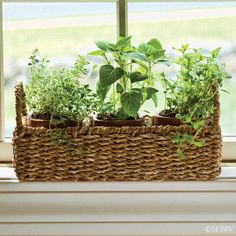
[59,30]
[206,25]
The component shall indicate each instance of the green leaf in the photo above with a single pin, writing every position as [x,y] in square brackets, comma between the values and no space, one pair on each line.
[155,43]
[225,91]
[138,90]
[136,56]
[180,154]
[185,47]
[199,143]
[154,99]
[143,67]
[137,77]
[199,124]
[215,52]
[166,84]
[146,49]
[148,112]
[105,46]
[151,51]
[106,108]
[97,53]
[109,75]
[164,61]
[187,138]
[176,138]
[124,43]
[131,102]
[159,54]
[150,91]
[102,91]
[119,88]
[186,119]
[178,116]
[121,114]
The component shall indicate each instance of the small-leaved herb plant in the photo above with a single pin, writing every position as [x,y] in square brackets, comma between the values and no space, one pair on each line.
[126,79]
[58,94]
[191,96]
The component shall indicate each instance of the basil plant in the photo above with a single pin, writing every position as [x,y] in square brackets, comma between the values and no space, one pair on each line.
[126,79]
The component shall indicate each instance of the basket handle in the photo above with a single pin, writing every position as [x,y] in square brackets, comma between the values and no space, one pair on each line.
[216,114]
[20,104]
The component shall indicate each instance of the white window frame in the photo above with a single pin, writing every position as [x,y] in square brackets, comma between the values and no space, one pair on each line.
[6,155]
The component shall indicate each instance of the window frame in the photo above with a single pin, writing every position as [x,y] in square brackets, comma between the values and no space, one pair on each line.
[6,155]
[1,79]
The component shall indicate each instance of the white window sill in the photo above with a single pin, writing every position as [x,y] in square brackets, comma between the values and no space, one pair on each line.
[228,171]
[118,208]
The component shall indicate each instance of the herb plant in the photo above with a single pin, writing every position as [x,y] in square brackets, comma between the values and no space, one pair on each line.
[58,94]
[126,79]
[191,97]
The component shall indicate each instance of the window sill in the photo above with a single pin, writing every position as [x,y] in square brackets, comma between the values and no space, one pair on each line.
[120,208]
[228,171]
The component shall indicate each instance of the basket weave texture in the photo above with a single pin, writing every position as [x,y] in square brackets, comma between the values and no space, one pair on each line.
[111,153]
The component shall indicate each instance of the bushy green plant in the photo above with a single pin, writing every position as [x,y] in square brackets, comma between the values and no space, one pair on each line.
[58,93]
[191,97]
[126,79]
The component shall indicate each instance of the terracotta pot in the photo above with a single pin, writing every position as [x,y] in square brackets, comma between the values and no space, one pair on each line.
[117,123]
[30,122]
[165,120]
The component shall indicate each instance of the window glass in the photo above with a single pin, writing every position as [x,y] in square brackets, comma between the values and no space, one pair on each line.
[59,30]
[205,25]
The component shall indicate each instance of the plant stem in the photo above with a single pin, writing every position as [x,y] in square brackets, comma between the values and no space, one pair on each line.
[131,68]
[124,83]
[165,94]
[122,66]
[149,73]
[106,59]
[114,96]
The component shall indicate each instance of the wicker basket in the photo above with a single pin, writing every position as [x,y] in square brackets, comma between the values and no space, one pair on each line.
[111,153]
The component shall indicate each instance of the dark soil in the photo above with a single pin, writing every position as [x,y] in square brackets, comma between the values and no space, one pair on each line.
[45,120]
[44,116]
[109,116]
[167,113]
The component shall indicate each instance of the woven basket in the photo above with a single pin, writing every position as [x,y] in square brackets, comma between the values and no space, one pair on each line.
[111,153]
